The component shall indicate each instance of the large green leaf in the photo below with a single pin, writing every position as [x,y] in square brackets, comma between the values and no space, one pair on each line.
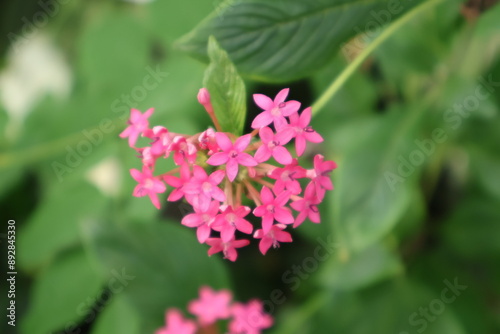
[375,177]
[62,295]
[287,39]
[55,223]
[226,88]
[164,263]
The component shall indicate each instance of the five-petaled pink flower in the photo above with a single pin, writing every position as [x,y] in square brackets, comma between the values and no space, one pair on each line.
[307,207]
[273,209]
[274,111]
[272,238]
[211,306]
[231,220]
[148,185]
[286,178]
[201,188]
[176,324]
[203,220]
[184,151]
[250,318]
[320,175]
[227,248]
[232,154]
[272,144]
[138,123]
[303,132]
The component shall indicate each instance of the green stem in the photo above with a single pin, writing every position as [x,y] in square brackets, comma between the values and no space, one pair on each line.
[353,66]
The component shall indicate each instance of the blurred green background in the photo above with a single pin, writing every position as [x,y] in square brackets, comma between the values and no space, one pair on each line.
[410,237]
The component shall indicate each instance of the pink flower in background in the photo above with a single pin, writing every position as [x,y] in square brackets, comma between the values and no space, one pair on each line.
[227,248]
[272,145]
[222,204]
[148,185]
[273,209]
[250,318]
[138,123]
[274,110]
[176,324]
[272,238]
[232,154]
[303,132]
[211,306]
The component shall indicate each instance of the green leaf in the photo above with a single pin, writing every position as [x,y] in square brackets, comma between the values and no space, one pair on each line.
[372,265]
[164,262]
[118,317]
[62,295]
[288,39]
[55,223]
[375,177]
[226,88]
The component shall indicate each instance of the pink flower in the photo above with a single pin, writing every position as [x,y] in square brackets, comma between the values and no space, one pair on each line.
[231,220]
[307,207]
[211,306]
[272,238]
[250,318]
[232,155]
[286,178]
[202,219]
[227,248]
[303,132]
[273,145]
[175,324]
[273,209]
[201,188]
[274,111]
[184,151]
[178,183]
[320,175]
[148,185]
[138,123]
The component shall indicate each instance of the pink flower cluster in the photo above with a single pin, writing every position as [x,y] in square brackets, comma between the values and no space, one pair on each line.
[218,174]
[213,306]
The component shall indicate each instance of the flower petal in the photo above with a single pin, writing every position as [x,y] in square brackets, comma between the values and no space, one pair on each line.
[282,155]
[223,141]
[300,145]
[266,134]
[290,108]
[241,143]
[218,159]
[283,215]
[261,120]
[281,96]
[263,101]
[231,169]
[263,154]
[265,244]
[246,159]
